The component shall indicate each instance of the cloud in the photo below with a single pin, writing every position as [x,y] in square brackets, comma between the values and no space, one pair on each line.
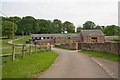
[102,12]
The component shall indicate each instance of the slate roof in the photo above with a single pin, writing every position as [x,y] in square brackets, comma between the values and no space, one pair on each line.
[54,35]
[88,32]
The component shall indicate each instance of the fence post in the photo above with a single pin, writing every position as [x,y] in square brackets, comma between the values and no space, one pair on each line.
[39,48]
[30,50]
[13,52]
[23,51]
[35,49]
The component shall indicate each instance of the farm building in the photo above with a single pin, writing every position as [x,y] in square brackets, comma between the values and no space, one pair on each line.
[86,36]
[54,38]
[89,36]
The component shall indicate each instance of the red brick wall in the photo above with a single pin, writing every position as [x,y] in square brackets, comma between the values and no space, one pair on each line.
[106,47]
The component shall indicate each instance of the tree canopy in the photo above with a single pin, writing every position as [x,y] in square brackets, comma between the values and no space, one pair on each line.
[89,25]
[8,29]
[29,24]
[69,27]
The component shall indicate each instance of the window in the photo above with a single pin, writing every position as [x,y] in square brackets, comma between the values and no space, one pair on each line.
[35,37]
[43,37]
[39,38]
[48,38]
[94,39]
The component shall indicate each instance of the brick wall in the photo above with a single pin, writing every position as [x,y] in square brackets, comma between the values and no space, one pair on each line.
[106,47]
[112,48]
[67,45]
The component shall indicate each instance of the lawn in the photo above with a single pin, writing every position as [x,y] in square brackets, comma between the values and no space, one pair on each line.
[23,40]
[7,48]
[101,55]
[27,67]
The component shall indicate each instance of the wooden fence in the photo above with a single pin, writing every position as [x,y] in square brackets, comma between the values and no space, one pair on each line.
[31,49]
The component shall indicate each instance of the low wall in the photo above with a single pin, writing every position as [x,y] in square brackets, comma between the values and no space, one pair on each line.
[67,46]
[108,47]
[113,48]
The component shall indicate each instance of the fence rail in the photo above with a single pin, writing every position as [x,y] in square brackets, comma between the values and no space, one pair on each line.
[31,48]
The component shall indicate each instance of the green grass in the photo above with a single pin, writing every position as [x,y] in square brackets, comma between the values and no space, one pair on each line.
[27,67]
[101,55]
[23,39]
[5,43]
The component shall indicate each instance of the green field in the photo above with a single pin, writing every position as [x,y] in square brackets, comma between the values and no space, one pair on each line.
[27,67]
[7,48]
[23,40]
[101,55]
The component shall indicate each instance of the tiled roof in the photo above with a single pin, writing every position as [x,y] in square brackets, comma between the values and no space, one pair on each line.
[88,32]
[54,35]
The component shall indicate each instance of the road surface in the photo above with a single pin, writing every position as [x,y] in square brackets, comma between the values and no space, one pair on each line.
[71,64]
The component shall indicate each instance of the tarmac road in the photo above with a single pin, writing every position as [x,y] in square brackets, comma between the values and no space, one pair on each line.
[71,64]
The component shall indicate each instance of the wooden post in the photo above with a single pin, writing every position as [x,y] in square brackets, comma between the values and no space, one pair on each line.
[30,47]
[23,51]
[13,52]
[35,49]
[39,48]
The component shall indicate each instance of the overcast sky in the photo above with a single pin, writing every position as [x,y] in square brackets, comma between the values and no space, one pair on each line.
[102,12]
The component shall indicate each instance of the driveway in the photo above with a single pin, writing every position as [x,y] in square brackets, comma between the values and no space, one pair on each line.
[71,64]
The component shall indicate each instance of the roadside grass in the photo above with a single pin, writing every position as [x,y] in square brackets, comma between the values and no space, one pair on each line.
[99,54]
[29,66]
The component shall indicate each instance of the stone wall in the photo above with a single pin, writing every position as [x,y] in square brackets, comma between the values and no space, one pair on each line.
[67,46]
[113,48]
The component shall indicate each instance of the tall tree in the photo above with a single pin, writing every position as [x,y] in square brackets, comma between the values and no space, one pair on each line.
[57,26]
[8,29]
[14,19]
[89,25]
[28,25]
[79,29]
[111,30]
[44,26]
[69,27]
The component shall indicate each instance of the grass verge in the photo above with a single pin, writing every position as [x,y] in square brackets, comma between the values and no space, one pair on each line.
[101,55]
[28,66]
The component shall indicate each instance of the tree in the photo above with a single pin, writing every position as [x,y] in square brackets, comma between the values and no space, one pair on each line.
[98,27]
[28,25]
[89,25]
[14,19]
[44,26]
[57,26]
[8,29]
[111,30]
[79,29]
[69,27]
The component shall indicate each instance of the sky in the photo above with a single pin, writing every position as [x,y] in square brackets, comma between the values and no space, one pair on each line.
[101,12]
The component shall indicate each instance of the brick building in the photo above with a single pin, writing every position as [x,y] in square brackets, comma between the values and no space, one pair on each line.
[54,38]
[87,36]
[90,36]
